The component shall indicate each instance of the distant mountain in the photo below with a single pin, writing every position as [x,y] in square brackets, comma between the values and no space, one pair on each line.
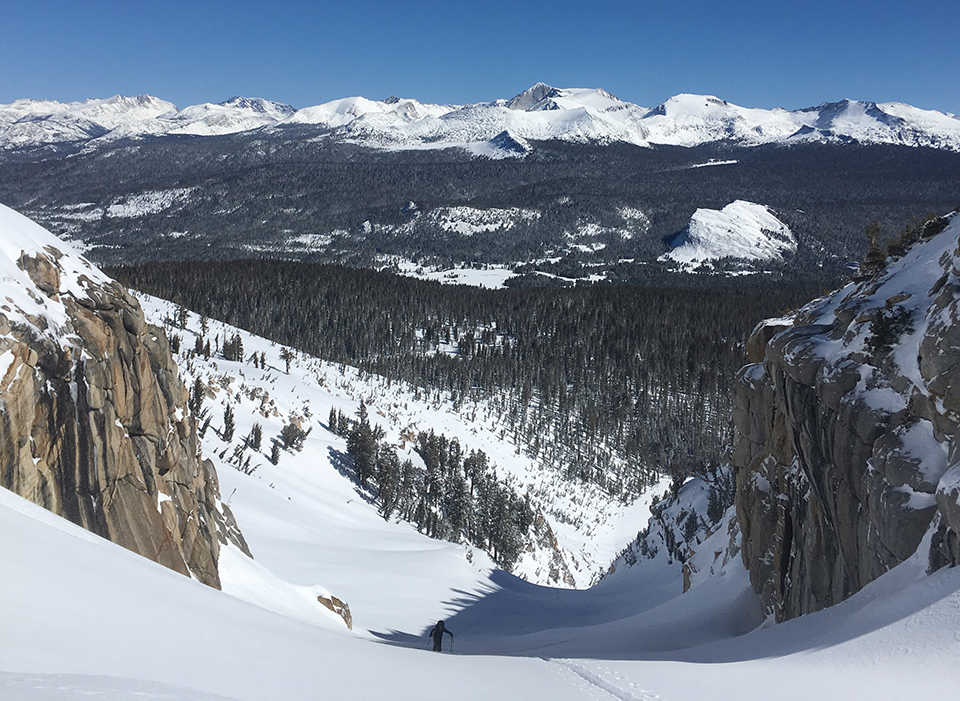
[540,113]
[742,230]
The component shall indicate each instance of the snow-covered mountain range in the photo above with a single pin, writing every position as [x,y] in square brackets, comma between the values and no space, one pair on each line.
[497,128]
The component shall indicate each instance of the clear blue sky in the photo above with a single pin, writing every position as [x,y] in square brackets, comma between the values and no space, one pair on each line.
[751,52]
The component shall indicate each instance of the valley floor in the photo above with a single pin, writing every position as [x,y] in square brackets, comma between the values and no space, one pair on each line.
[83,618]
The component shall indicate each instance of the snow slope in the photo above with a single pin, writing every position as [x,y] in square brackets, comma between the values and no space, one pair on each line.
[590,526]
[741,230]
[84,618]
[21,302]
[495,129]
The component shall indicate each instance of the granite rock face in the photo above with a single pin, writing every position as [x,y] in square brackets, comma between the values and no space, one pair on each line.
[94,423]
[845,434]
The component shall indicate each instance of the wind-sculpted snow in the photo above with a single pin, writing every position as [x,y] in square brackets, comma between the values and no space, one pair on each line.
[540,113]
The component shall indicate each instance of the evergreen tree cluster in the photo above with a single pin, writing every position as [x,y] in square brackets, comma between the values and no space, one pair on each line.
[456,496]
[232,348]
[879,254]
[611,384]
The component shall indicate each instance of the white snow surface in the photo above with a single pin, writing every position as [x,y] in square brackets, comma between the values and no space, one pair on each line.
[491,277]
[741,230]
[79,614]
[150,202]
[541,112]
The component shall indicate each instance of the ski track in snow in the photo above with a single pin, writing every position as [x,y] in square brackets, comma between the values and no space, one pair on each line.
[594,678]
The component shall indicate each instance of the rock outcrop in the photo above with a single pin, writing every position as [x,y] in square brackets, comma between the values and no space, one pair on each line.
[846,427]
[94,424]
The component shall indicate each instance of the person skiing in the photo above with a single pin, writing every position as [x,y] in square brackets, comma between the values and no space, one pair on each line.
[437,634]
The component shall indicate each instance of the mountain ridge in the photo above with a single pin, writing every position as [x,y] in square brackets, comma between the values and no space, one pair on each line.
[541,112]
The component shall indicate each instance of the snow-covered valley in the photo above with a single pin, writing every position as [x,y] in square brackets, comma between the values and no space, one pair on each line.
[589,525]
[86,618]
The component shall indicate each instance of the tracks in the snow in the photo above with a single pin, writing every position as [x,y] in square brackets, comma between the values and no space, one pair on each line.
[605,680]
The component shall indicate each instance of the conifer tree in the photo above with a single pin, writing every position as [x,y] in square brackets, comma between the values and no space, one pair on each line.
[256,437]
[228,423]
[196,396]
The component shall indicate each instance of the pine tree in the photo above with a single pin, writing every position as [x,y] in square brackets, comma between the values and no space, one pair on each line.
[292,437]
[182,316]
[287,355]
[228,423]
[195,404]
[256,437]
[389,476]
[362,446]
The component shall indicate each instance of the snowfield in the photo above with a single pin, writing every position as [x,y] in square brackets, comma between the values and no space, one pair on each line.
[84,618]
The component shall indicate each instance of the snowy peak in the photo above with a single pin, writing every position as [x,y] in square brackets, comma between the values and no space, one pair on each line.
[276,110]
[686,105]
[26,123]
[541,97]
[533,98]
[541,112]
[235,115]
[690,120]
[392,111]
[870,122]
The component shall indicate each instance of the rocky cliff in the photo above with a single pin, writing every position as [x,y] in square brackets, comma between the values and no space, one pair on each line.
[846,432]
[94,422]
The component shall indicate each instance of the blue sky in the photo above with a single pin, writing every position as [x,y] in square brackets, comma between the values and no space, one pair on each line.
[756,54]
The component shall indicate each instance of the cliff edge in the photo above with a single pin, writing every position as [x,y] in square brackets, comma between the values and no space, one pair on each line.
[94,423]
[846,432]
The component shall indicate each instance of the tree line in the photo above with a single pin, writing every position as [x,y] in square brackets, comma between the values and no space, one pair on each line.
[611,384]
[456,496]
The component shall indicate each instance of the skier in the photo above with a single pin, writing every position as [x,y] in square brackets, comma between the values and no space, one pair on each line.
[437,634]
